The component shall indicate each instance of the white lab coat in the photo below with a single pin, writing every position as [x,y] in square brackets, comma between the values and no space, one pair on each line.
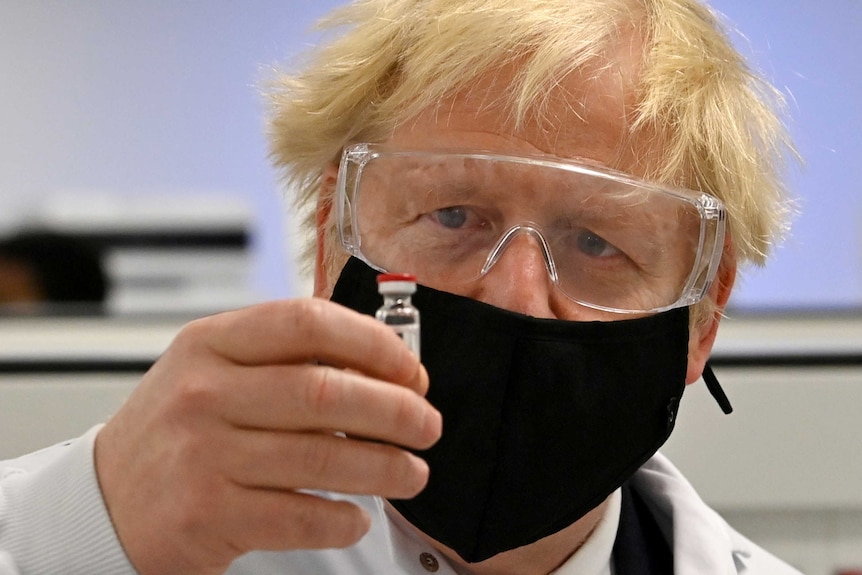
[53,520]
[702,542]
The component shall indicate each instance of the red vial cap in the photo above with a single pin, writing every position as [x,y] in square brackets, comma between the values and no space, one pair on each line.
[396,278]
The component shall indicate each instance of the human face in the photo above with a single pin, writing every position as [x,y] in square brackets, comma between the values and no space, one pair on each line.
[585,119]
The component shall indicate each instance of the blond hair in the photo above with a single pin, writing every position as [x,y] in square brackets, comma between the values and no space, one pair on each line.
[715,119]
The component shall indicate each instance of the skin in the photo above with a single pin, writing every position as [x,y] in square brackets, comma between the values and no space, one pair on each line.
[204,461]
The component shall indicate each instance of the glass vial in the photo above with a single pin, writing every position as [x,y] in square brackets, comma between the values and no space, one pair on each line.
[397,310]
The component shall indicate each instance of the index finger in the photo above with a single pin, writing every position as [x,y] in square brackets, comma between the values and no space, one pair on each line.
[313,329]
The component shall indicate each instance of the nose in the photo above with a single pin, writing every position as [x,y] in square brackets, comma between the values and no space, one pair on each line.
[518,276]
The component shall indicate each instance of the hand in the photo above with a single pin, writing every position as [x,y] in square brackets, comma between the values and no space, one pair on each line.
[206,459]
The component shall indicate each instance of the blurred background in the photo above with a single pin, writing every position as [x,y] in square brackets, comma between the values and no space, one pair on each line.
[139,126]
[133,131]
[125,117]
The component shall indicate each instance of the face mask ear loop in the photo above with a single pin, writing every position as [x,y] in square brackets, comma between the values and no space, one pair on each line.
[715,389]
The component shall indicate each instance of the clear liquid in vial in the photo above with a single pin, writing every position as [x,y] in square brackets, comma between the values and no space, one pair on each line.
[397,311]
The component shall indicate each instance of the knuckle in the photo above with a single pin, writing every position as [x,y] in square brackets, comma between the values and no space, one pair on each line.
[413,419]
[303,317]
[192,458]
[405,410]
[194,394]
[332,524]
[193,510]
[318,458]
[325,394]
[391,352]
[192,334]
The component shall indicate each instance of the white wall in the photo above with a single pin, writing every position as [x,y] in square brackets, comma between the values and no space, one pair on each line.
[810,50]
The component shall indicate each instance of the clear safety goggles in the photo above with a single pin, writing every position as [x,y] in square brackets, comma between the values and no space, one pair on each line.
[608,241]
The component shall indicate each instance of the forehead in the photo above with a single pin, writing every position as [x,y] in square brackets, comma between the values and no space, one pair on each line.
[586,114]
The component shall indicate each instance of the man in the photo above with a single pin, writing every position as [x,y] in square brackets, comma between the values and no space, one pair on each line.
[573,184]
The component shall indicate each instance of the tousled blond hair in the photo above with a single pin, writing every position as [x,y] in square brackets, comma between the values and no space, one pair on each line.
[714,119]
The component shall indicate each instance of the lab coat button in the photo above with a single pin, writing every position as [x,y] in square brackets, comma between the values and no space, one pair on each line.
[429,562]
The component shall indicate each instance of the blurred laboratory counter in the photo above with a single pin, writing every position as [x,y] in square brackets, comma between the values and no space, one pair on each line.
[61,375]
[785,467]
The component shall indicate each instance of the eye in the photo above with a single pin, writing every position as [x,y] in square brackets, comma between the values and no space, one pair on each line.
[595,245]
[453,217]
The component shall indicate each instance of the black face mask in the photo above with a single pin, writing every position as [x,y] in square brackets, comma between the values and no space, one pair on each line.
[542,419]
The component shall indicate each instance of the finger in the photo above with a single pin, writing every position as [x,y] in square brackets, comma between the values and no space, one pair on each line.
[311,329]
[260,519]
[325,461]
[314,398]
